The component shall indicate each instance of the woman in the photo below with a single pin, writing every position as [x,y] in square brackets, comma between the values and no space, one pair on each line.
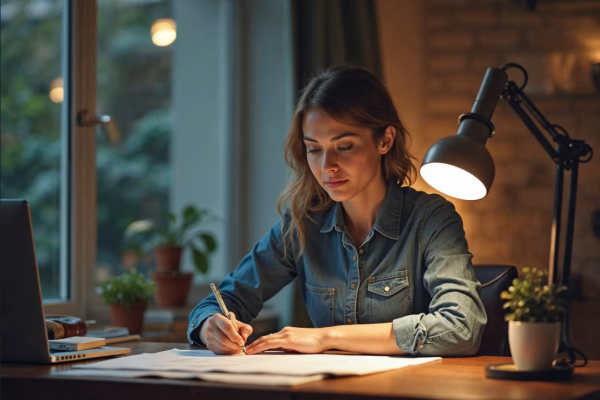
[383,268]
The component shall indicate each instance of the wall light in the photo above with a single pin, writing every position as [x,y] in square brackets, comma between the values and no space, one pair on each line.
[164,32]
[57,92]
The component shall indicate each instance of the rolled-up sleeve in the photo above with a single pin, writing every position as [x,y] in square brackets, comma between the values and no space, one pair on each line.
[259,276]
[456,319]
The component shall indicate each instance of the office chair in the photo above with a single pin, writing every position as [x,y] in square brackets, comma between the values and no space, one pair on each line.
[494,280]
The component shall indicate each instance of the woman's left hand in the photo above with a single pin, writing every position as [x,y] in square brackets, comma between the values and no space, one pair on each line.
[301,340]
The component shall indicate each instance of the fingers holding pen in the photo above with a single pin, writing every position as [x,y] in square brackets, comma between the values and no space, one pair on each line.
[227,328]
[217,338]
[220,344]
[244,329]
[222,337]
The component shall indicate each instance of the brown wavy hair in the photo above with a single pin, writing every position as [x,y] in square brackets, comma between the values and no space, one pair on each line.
[353,96]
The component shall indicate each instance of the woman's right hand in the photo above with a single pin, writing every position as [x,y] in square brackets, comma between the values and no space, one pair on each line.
[219,335]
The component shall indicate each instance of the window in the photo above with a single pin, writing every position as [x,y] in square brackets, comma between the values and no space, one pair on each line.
[34,153]
[187,126]
[132,152]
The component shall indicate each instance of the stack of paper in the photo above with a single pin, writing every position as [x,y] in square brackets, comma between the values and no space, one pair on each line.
[269,368]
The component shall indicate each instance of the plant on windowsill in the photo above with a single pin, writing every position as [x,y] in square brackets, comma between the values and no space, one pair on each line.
[535,312]
[168,244]
[128,295]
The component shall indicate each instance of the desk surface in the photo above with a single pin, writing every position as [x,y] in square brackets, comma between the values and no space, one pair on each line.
[450,378]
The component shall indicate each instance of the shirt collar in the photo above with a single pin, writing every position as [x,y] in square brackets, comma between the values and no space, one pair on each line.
[388,219]
[335,218]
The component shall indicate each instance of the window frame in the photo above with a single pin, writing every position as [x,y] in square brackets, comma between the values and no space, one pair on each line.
[78,167]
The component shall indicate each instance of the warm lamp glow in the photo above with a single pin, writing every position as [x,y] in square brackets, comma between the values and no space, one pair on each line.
[164,32]
[453,181]
[57,92]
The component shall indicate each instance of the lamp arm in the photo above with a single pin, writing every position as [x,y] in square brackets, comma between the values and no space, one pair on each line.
[567,156]
[515,97]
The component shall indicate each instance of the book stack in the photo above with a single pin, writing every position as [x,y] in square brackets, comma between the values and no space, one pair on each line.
[169,319]
[113,335]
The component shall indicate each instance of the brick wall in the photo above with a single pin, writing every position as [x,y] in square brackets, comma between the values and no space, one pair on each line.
[556,44]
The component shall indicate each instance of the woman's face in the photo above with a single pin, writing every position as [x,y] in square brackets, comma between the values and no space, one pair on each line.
[343,158]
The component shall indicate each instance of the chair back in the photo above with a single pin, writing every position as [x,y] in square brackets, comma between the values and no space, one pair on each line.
[494,280]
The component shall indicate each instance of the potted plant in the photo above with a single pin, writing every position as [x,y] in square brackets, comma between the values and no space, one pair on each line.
[128,296]
[534,320]
[168,244]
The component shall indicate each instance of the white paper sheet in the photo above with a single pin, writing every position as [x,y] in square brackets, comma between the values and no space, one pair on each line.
[241,379]
[271,362]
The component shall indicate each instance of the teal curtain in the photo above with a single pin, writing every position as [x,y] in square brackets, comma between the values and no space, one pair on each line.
[329,33]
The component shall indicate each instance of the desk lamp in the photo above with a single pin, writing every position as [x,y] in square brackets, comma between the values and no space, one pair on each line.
[461,166]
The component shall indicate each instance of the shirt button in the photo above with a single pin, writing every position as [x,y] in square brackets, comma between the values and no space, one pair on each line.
[387,288]
[353,286]
[421,345]
[361,251]
[354,258]
[349,321]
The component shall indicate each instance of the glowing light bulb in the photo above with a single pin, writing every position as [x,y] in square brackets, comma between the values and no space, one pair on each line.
[57,92]
[453,181]
[164,32]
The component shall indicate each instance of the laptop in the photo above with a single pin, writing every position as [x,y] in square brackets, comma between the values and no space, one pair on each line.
[23,328]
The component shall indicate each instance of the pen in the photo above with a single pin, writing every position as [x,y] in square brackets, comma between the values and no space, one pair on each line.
[225,310]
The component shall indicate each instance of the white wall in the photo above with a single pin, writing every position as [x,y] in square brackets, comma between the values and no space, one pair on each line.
[232,103]
[201,112]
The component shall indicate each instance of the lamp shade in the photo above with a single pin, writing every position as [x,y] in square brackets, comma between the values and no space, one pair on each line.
[459,166]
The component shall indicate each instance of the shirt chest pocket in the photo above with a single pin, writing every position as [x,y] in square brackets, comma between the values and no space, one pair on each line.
[388,296]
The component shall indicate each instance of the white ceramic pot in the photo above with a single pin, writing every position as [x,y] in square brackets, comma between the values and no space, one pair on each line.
[533,344]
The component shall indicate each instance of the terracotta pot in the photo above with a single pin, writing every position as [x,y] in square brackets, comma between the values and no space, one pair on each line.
[171,289]
[533,345]
[168,258]
[129,259]
[131,318]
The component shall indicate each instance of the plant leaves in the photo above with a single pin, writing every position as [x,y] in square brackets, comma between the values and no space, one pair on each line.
[141,226]
[172,217]
[188,211]
[127,289]
[209,241]
[200,260]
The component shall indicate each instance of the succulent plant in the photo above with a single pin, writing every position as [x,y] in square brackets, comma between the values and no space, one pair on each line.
[531,299]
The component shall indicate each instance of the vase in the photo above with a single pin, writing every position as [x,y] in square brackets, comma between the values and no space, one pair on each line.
[533,344]
[131,318]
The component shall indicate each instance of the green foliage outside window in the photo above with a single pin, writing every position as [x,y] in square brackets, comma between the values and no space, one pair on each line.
[134,88]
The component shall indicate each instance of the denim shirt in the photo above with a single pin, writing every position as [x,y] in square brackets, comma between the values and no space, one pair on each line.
[413,269]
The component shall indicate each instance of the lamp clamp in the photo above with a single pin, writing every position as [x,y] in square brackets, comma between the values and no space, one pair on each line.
[479,118]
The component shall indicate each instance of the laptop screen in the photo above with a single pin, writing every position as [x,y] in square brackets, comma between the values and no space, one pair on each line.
[23,330]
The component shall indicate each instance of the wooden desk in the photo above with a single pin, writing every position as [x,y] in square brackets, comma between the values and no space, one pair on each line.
[451,378]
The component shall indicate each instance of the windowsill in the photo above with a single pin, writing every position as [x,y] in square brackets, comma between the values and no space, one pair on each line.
[175,319]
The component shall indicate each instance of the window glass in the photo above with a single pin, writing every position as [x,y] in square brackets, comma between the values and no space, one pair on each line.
[132,152]
[31,132]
